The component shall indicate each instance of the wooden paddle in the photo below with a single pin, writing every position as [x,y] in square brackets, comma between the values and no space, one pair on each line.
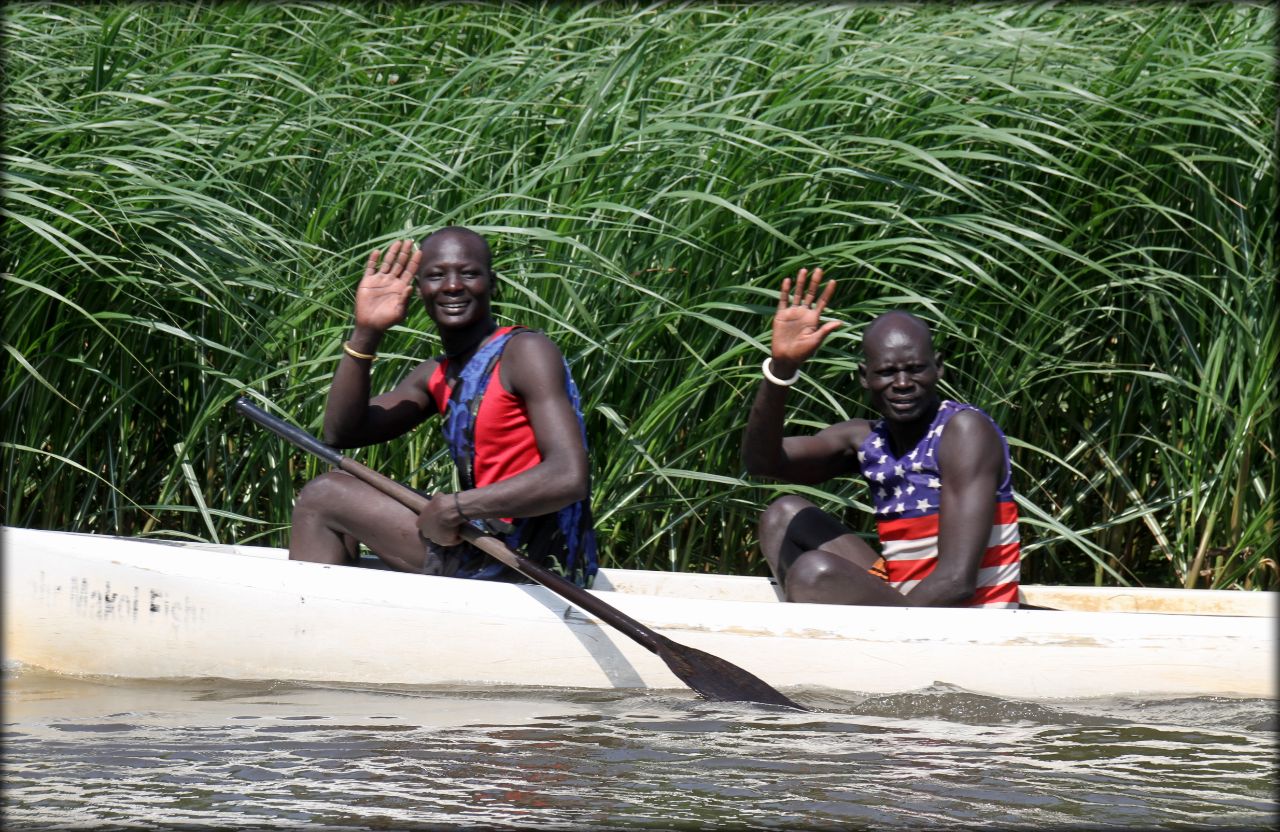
[711,677]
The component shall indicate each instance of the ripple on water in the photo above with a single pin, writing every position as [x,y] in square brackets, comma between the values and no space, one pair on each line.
[223,755]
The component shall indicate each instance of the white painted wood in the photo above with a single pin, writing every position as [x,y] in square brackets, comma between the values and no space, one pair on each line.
[91,604]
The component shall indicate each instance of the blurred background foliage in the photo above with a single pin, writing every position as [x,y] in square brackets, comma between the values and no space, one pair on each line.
[1080,197]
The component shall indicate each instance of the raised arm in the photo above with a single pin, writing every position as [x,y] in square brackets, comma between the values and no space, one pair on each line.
[971,462]
[351,419]
[797,333]
[531,368]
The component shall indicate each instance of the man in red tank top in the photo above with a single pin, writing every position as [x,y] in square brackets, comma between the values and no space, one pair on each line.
[529,459]
[938,474]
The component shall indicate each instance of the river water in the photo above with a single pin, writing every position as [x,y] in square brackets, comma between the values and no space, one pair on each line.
[114,754]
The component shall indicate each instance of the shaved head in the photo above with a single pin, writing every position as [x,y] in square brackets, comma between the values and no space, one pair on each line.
[469,239]
[895,327]
[900,369]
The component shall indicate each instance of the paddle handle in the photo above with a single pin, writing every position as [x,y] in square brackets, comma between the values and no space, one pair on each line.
[295,435]
[565,588]
[489,544]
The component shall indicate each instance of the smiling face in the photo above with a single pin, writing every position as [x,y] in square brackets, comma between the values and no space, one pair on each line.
[900,370]
[455,281]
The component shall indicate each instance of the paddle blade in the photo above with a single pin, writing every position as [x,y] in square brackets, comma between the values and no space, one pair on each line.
[716,679]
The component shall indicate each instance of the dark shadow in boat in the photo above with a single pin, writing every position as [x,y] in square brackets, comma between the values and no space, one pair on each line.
[620,672]
[373,562]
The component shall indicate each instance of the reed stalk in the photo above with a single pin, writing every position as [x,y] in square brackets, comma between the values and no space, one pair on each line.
[1080,198]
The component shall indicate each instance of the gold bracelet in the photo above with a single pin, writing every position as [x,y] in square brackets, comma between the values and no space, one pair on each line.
[346,347]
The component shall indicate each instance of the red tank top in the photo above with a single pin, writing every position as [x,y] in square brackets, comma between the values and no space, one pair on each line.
[505,443]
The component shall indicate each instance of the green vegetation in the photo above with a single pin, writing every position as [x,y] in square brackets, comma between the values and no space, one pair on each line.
[1080,197]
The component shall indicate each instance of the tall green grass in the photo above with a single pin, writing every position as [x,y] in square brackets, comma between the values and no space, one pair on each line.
[1080,197]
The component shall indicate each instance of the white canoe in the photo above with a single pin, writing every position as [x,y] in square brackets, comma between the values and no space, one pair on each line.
[98,605]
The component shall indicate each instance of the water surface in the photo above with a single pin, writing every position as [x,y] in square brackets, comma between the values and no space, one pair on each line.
[114,754]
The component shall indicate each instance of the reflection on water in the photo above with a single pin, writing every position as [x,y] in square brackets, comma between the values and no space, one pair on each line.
[104,754]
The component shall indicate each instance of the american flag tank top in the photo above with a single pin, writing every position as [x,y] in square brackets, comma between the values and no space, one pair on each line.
[905,492]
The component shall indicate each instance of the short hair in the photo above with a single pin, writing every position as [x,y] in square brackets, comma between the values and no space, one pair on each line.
[462,231]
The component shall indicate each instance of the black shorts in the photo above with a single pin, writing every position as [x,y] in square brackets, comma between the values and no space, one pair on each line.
[466,561]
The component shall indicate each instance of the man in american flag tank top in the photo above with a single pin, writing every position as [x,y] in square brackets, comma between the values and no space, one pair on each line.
[510,415]
[938,473]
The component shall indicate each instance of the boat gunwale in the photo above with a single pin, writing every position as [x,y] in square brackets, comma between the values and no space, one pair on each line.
[694,586]
[877,639]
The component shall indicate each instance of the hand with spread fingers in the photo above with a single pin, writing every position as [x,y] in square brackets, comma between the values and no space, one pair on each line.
[382,298]
[798,330]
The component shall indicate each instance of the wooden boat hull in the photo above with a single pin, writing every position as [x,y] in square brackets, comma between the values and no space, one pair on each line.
[90,604]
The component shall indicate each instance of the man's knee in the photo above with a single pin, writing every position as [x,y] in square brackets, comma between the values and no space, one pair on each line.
[325,492]
[810,574]
[778,515]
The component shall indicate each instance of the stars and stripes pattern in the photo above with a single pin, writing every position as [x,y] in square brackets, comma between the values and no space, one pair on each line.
[906,493]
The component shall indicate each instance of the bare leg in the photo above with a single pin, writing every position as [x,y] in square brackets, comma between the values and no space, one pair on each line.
[816,559]
[335,509]
[792,525]
[820,577]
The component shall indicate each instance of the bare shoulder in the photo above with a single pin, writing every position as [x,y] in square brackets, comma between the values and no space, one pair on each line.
[412,389]
[971,442]
[419,375]
[968,427]
[850,433]
[404,406]
[532,344]
[530,361]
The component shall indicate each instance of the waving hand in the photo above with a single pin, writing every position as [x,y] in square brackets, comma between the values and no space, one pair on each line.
[382,298]
[797,327]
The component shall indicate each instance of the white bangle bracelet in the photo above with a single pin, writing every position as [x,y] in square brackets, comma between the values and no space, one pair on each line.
[781,382]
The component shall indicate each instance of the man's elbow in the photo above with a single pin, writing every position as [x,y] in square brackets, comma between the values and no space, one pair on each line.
[576,483]
[341,436]
[759,465]
[959,594]
[955,592]
[577,488]
[334,436]
[945,591]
